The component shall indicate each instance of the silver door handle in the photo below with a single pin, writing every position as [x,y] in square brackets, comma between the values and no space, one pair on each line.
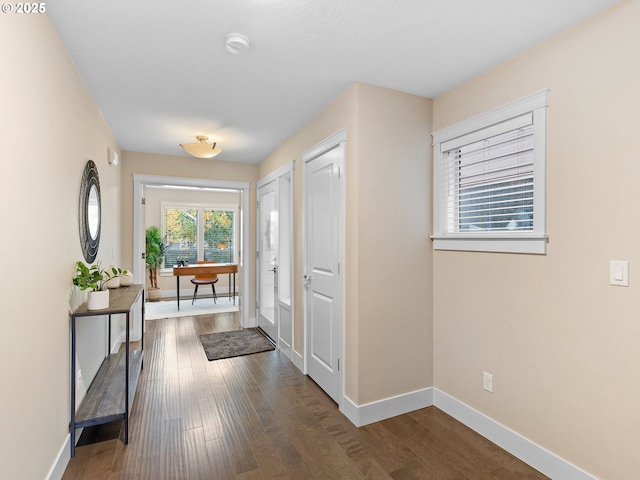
[307,279]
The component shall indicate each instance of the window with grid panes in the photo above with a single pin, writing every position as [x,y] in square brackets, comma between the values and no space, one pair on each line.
[196,233]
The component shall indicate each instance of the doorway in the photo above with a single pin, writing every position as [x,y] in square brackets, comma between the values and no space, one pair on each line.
[323,273]
[274,262]
[139,183]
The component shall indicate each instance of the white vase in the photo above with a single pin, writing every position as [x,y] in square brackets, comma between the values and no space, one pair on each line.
[98,300]
[113,282]
[126,279]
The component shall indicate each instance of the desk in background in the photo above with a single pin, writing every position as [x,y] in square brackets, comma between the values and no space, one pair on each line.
[206,269]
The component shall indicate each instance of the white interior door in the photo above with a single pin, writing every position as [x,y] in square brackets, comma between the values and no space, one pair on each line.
[268,258]
[323,286]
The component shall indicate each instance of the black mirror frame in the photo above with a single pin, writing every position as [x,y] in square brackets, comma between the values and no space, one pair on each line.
[88,243]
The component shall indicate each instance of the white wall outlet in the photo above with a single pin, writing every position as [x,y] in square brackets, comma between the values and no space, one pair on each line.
[78,379]
[487,382]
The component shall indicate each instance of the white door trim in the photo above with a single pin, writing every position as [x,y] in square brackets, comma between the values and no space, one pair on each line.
[140,180]
[325,145]
[286,168]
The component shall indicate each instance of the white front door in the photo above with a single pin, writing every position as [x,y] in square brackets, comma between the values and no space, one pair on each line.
[323,285]
[267,258]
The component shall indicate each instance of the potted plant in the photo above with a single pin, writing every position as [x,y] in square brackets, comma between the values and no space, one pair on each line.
[94,278]
[155,250]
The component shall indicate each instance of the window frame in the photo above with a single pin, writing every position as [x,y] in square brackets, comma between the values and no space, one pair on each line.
[200,207]
[476,128]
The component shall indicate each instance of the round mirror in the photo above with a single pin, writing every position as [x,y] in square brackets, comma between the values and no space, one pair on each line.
[89,212]
[93,212]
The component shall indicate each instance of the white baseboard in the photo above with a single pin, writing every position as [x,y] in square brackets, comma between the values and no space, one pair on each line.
[524,449]
[62,460]
[372,412]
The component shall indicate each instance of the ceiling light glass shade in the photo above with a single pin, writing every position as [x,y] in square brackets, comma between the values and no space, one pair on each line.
[237,43]
[201,148]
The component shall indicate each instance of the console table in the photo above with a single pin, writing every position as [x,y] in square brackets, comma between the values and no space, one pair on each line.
[111,392]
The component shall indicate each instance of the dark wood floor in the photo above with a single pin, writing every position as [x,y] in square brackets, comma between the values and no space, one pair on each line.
[258,417]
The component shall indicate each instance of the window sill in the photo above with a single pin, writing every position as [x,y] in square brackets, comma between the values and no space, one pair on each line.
[536,245]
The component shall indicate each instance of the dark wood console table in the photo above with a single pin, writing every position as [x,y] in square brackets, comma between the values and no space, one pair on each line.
[111,392]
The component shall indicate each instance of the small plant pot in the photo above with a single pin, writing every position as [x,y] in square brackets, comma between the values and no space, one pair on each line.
[153,294]
[126,279]
[98,300]
[113,282]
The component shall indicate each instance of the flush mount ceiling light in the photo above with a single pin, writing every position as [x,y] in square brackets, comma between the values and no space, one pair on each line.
[237,43]
[201,148]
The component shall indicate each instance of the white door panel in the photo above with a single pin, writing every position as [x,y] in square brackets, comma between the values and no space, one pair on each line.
[321,326]
[267,258]
[285,318]
[323,293]
[275,257]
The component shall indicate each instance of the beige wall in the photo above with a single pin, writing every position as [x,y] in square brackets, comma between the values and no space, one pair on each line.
[394,251]
[388,256]
[49,128]
[563,345]
[186,167]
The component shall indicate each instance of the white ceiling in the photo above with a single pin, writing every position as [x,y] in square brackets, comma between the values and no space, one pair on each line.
[160,73]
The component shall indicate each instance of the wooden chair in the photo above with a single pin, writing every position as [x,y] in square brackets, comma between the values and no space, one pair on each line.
[209,279]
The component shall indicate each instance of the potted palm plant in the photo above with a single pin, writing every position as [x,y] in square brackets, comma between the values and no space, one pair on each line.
[155,250]
[94,278]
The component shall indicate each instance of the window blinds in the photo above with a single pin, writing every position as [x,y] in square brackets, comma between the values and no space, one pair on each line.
[487,179]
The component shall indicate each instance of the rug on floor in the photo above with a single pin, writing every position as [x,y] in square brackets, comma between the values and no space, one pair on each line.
[235,343]
[202,306]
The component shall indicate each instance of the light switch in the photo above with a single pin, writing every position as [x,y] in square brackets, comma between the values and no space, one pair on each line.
[619,273]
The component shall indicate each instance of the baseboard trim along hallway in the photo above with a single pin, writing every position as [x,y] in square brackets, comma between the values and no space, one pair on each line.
[389,407]
[522,448]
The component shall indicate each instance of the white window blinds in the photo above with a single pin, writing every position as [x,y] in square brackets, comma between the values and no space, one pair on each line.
[488,183]
[489,180]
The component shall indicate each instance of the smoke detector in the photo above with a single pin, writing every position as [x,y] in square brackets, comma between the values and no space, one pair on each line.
[237,43]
